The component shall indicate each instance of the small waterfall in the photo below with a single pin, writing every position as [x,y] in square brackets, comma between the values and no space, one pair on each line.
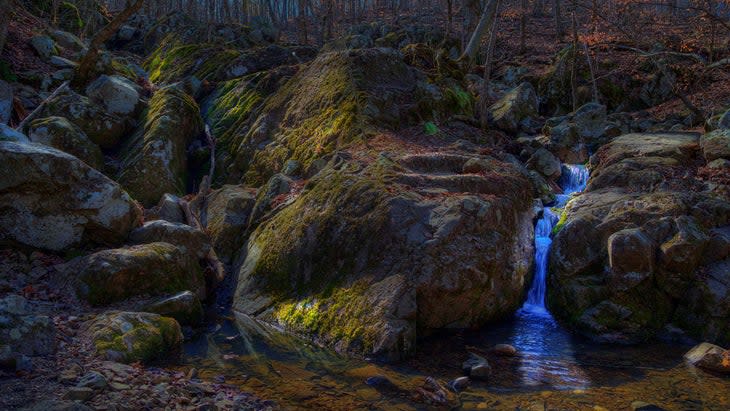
[574,179]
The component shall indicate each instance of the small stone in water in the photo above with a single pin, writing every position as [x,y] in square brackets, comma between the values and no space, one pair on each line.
[459,384]
[505,350]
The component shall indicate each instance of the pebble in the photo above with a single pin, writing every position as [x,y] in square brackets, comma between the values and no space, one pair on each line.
[93,380]
[505,350]
[459,384]
[78,394]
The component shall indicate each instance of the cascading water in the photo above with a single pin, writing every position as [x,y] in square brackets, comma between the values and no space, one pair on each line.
[546,347]
[573,180]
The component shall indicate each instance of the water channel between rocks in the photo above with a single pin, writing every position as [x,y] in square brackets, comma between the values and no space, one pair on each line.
[554,369]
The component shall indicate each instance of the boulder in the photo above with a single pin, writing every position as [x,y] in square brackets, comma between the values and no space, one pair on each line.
[226,218]
[22,332]
[476,367]
[6,102]
[155,159]
[44,46]
[643,246]
[8,133]
[189,240]
[59,133]
[366,257]
[545,163]
[716,144]
[116,274]
[565,142]
[185,307]
[169,209]
[514,112]
[710,357]
[104,129]
[52,200]
[131,336]
[115,93]
[724,122]
[590,121]
[63,63]
[67,40]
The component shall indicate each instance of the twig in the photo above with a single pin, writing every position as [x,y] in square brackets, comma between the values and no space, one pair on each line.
[37,110]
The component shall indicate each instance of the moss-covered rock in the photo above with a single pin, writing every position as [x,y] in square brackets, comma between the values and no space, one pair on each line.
[104,129]
[130,336]
[116,274]
[184,307]
[630,255]
[370,255]
[59,133]
[191,241]
[515,111]
[155,159]
[227,217]
[52,200]
[340,98]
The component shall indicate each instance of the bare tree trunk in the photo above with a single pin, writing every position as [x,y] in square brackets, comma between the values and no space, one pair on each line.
[88,62]
[593,73]
[487,19]
[574,64]
[484,93]
[558,20]
[523,26]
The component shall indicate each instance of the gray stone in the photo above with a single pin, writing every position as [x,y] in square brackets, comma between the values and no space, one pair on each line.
[61,62]
[169,209]
[545,163]
[93,380]
[44,46]
[59,133]
[460,384]
[78,394]
[52,200]
[126,32]
[23,332]
[115,93]
[716,144]
[185,307]
[67,40]
[513,112]
[190,240]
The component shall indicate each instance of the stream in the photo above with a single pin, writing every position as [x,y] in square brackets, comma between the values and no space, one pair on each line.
[554,369]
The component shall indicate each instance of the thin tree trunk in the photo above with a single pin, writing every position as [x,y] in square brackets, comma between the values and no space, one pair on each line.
[558,20]
[484,93]
[593,73]
[88,62]
[574,64]
[471,50]
[523,26]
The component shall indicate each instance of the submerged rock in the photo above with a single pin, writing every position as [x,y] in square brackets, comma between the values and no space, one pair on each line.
[52,200]
[116,274]
[477,367]
[130,336]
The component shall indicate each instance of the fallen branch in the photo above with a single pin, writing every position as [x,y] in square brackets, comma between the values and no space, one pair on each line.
[38,109]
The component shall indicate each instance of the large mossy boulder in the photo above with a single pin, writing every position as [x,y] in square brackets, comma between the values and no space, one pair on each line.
[191,241]
[339,98]
[645,246]
[153,269]
[131,336]
[155,159]
[103,128]
[60,133]
[372,254]
[52,200]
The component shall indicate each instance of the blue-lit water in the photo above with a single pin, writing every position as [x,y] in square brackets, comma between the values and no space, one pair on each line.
[536,334]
